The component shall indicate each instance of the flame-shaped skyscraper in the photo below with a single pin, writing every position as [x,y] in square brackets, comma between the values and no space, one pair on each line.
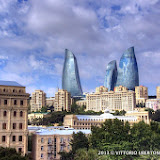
[70,77]
[128,70]
[111,75]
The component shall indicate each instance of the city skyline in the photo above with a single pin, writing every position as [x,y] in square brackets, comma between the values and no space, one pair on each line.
[33,37]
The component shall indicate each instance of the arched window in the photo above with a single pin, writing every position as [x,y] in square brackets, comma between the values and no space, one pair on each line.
[5,113]
[21,113]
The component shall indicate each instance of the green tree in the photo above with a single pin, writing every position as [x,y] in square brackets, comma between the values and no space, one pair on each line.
[11,154]
[83,154]
[44,109]
[78,141]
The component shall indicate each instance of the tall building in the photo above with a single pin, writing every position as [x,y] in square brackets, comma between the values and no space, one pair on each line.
[48,142]
[111,75]
[158,92]
[128,70]
[120,100]
[13,116]
[141,94]
[38,100]
[101,89]
[62,100]
[70,77]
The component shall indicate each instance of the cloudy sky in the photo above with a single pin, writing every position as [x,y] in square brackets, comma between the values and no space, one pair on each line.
[35,33]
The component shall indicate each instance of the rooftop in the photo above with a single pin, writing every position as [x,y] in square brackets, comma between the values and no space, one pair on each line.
[60,131]
[10,83]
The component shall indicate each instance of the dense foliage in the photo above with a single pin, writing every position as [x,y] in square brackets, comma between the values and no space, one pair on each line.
[57,117]
[115,135]
[10,154]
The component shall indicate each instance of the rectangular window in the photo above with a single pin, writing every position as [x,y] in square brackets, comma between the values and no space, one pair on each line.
[5,102]
[14,125]
[21,102]
[20,126]
[15,102]
[4,126]
[41,148]
[20,138]
[3,138]
[42,155]
[14,138]
[42,140]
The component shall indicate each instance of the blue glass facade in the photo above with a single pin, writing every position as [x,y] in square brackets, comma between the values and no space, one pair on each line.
[128,70]
[70,77]
[111,75]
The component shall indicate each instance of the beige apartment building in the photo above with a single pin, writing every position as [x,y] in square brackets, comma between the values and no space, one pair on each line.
[13,116]
[48,142]
[158,92]
[112,100]
[86,121]
[38,100]
[62,100]
[141,94]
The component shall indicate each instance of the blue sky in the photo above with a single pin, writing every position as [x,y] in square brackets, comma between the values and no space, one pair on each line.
[34,35]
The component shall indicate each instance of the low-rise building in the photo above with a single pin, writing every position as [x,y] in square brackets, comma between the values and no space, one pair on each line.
[48,142]
[86,121]
[153,104]
[36,115]
[112,100]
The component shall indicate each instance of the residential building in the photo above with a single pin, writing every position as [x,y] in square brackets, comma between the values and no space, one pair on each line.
[86,121]
[120,100]
[62,100]
[70,77]
[48,142]
[38,100]
[141,94]
[153,104]
[158,92]
[13,116]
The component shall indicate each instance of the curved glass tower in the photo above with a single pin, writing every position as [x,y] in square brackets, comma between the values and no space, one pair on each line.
[128,70]
[70,77]
[111,75]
